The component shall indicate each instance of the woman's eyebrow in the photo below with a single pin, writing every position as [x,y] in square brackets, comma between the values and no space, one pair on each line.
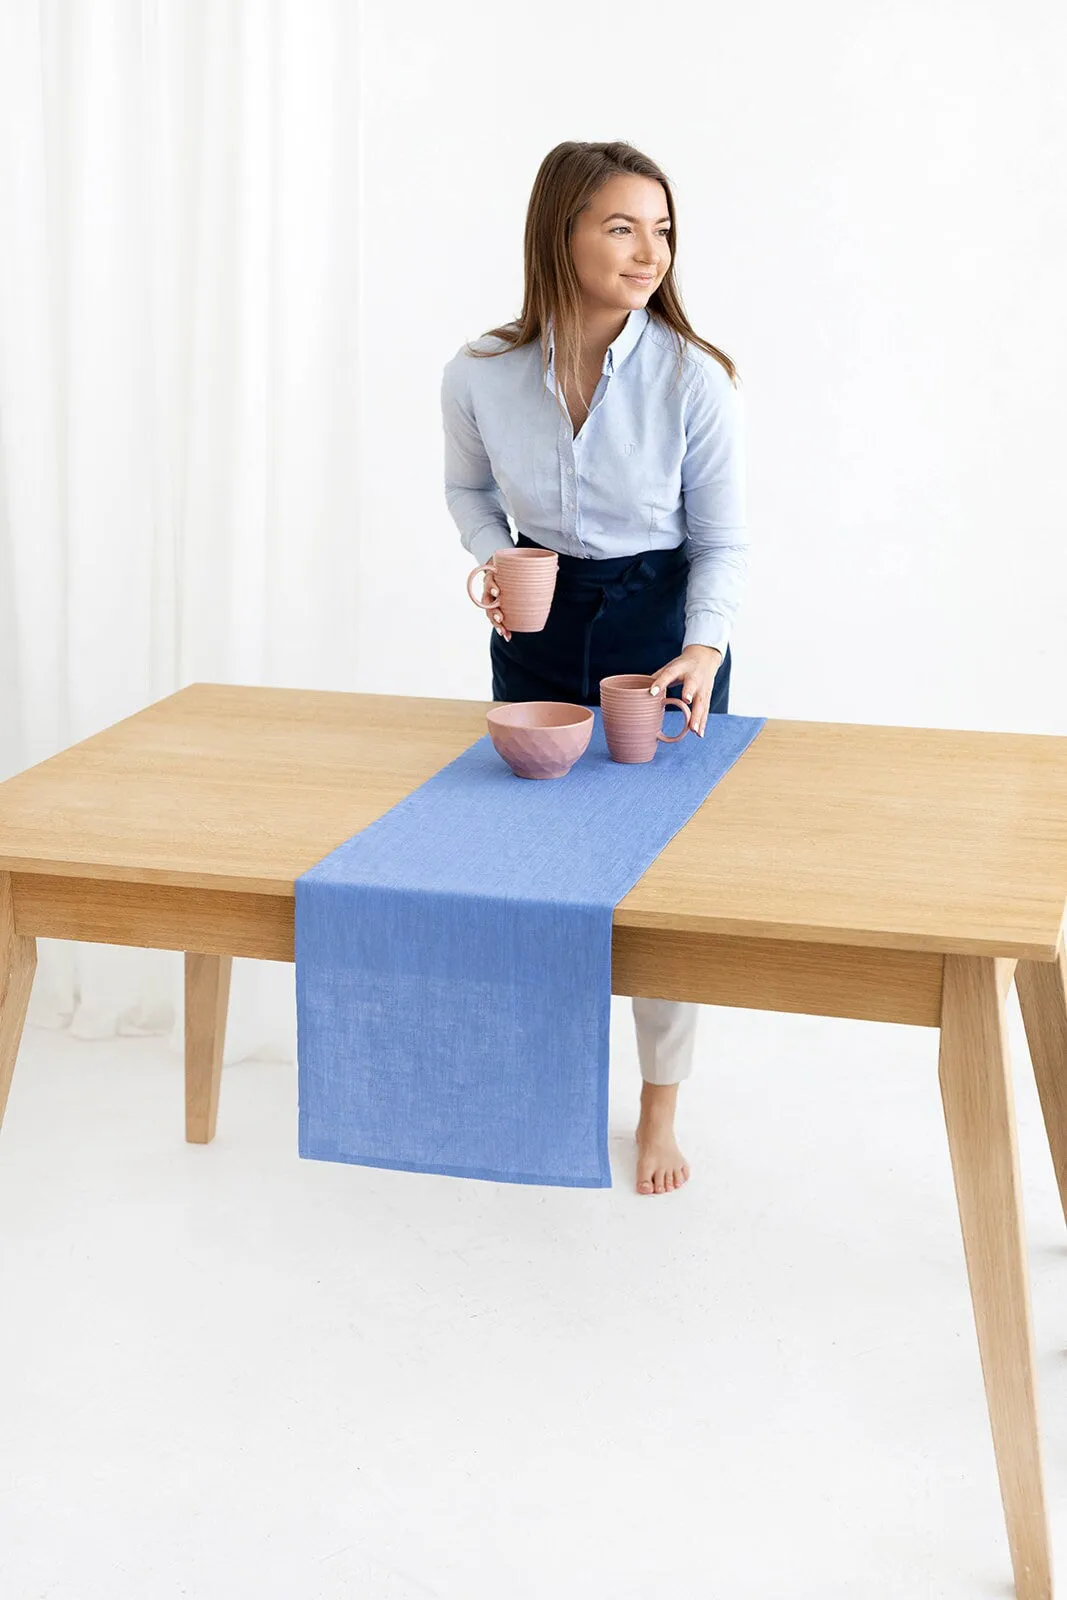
[625,218]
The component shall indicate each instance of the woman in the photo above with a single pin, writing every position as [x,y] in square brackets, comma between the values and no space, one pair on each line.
[611,432]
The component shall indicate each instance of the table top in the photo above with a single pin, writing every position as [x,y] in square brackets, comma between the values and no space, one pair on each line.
[842,833]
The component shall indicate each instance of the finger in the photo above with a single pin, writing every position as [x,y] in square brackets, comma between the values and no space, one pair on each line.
[701,701]
[694,696]
[664,678]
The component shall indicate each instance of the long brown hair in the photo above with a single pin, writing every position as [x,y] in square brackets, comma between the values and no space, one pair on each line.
[567,179]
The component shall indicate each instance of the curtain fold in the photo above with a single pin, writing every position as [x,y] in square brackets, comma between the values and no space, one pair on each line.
[179,191]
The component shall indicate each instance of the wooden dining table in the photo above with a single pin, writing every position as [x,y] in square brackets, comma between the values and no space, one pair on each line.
[893,874]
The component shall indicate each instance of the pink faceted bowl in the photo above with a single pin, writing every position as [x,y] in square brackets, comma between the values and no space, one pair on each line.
[540,738]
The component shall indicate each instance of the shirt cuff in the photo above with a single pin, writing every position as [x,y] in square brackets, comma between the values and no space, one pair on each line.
[707,627]
[487,541]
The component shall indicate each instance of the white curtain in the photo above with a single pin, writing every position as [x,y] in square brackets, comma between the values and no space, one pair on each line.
[179,186]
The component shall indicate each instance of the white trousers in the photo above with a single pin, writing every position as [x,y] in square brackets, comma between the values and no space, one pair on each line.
[666,1035]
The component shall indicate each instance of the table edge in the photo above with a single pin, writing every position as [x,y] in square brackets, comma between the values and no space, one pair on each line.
[1031,947]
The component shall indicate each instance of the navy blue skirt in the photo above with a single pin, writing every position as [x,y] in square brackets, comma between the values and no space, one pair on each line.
[625,614]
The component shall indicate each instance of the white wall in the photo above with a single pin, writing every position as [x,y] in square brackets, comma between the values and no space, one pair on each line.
[871,221]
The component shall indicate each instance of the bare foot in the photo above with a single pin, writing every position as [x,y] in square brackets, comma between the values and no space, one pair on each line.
[661,1166]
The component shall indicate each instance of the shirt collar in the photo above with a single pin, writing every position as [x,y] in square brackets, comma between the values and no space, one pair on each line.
[620,347]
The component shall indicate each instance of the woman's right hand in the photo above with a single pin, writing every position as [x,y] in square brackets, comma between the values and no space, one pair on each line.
[496,617]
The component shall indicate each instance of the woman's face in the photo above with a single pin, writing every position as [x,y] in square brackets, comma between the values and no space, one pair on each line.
[611,252]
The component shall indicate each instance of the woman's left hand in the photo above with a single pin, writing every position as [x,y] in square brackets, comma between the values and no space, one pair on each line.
[695,669]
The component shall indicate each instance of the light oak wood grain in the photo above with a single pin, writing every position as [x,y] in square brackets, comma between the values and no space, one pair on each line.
[976,1089]
[155,917]
[760,974]
[207,994]
[1042,987]
[836,833]
[18,962]
[821,980]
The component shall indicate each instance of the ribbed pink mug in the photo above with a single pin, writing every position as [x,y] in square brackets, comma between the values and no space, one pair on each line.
[527,581]
[633,718]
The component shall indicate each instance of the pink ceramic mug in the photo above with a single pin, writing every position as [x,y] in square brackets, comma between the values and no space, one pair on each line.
[633,718]
[527,581]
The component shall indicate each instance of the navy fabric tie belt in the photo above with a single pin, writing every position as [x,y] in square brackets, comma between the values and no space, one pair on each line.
[622,614]
[638,574]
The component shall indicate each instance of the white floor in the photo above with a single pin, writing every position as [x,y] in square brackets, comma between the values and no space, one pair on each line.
[233,1373]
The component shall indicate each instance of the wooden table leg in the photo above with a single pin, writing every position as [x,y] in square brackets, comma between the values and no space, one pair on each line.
[18,962]
[1042,989]
[207,994]
[976,1090]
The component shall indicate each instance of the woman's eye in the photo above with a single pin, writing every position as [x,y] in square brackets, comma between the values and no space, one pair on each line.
[622,228]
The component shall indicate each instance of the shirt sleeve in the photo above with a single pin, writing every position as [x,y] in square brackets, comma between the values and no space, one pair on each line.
[471,492]
[713,493]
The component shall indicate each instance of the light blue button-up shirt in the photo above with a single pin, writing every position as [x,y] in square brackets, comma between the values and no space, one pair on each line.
[655,463]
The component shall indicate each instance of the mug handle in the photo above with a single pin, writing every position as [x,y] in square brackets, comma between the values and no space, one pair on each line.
[672,738]
[484,605]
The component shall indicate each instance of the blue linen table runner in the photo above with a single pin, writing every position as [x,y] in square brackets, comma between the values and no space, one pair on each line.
[453,961]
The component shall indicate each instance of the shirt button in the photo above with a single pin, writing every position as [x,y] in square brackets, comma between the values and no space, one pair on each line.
[570,472]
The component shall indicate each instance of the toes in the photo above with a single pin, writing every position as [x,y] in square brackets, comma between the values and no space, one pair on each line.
[661,1180]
